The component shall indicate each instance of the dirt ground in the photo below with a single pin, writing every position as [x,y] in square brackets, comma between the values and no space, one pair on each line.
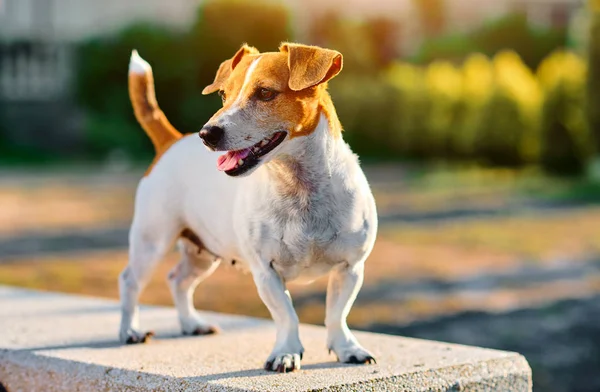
[483,251]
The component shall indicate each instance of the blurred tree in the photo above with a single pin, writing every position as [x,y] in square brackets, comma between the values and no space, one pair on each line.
[221,27]
[384,35]
[352,38]
[478,87]
[443,83]
[366,106]
[565,139]
[101,85]
[431,13]
[183,64]
[511,32]
[510,133]
[408,115]
[593,80]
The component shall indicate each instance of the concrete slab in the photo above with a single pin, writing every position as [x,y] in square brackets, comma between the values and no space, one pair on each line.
[58,342]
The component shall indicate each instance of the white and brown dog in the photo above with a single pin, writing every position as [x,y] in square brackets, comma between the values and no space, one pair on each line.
[292,202]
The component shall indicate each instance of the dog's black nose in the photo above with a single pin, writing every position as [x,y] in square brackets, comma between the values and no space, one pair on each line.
[211,135]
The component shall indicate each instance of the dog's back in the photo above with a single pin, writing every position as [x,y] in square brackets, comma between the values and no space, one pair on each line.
[182,165]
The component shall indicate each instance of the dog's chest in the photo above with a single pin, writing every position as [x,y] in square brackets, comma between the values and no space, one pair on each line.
[305,238]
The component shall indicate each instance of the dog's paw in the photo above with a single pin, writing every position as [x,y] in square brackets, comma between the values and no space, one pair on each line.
[202,330]
[134,337]
[283,363]
[354,354]
[195,326]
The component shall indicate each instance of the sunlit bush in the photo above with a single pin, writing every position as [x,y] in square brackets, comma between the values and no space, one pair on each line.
[184,63]
[443,84]
[566,140]
[478,87]
[593,81]
[366,105]
[409,112]
[494,111]
[511,117]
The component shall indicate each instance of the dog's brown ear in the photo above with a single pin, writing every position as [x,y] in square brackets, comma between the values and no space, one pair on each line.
[310,65]
[227,66]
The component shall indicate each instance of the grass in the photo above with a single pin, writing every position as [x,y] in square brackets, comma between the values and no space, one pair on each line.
[447,251]
[571,234]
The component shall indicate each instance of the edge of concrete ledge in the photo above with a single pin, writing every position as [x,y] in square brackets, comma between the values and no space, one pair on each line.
[59,342]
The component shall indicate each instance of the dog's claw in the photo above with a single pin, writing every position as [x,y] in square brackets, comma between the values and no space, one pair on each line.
[368,360]
[210,330]
[139,338]
[284,363]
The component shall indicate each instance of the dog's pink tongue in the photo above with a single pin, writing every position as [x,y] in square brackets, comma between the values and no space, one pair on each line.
[229,160]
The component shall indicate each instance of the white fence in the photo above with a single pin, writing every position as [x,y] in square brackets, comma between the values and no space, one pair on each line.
[74,20]
[34,72]
[34,66]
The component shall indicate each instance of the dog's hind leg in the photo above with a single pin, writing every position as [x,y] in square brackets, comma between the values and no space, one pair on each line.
[196,264]
[344,283]
[146,249]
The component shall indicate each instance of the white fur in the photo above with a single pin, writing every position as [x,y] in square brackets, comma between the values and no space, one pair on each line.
[326,225]
[238,100]
[138,65]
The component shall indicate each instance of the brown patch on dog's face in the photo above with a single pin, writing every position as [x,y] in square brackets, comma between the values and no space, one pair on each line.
[291,80]
[269,98]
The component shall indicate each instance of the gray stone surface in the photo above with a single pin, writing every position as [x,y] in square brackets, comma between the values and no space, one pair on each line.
[58,342]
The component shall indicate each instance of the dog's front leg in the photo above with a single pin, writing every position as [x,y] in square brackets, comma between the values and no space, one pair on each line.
[288,350]
[344,283]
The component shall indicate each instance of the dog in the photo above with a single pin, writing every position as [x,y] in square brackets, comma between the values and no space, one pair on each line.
[287,199]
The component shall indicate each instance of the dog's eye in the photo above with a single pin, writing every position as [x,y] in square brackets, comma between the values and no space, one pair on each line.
[264,94]
[222,95]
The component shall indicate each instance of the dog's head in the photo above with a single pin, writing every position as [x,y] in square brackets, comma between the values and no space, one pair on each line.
[268,99]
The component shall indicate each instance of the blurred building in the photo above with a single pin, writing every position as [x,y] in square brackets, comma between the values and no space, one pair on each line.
[37,40]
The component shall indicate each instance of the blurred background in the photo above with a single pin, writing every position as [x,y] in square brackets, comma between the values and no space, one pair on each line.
[477,123]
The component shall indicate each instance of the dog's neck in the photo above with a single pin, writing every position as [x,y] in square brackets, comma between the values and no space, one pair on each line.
[304,168]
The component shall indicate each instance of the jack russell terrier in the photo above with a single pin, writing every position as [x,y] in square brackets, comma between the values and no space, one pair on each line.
[291,203]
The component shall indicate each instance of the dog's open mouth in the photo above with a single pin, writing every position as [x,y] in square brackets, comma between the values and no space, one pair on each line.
[238,162]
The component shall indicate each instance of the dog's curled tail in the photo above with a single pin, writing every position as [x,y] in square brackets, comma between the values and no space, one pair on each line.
[147,112]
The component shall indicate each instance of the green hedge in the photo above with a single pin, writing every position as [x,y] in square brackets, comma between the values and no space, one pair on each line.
[512,31]
[493,111]
[488,109]
[593,87]
[183,64]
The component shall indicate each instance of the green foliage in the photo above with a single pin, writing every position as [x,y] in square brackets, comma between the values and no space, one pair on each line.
[368,46]
[495,111]
[432,15]
[512,32]
[489,107]
[511,116]
[183,64]
[593,81]
[223,25]
[365,104]
[566,139]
